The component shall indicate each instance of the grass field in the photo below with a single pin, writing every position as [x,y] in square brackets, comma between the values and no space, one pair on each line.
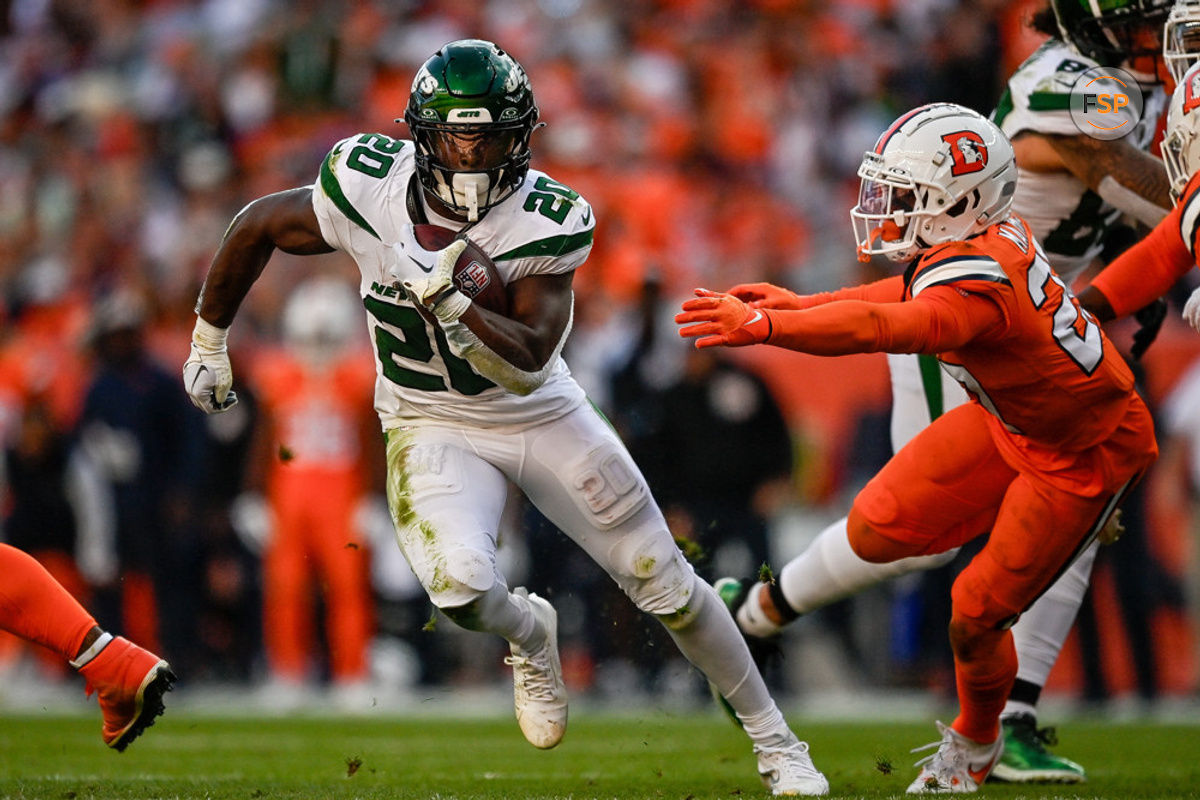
[691,757]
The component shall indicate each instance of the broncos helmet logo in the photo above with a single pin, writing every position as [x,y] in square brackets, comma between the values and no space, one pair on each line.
[967,149]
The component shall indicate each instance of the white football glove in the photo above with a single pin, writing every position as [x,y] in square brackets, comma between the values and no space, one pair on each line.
[1191,310]
[207,376]
[429,277]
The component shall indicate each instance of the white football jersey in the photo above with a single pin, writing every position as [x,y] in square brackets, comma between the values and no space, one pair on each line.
[1068,219]
[542,228]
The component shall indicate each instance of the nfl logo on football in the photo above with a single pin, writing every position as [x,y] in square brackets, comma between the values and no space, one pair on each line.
[473,279]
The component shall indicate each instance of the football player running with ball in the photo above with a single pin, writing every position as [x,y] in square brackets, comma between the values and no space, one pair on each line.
[470,400]
[1054,433]
[1073,190]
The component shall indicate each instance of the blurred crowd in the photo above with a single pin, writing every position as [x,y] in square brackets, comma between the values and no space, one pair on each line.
[716,141]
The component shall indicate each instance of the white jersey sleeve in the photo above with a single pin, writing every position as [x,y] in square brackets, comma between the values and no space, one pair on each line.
[1038,95]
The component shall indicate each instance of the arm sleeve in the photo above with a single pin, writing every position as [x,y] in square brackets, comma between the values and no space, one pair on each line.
[941,318]
[888,290]
[1147,270]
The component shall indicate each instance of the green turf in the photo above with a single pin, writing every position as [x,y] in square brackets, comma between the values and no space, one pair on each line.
[657,755]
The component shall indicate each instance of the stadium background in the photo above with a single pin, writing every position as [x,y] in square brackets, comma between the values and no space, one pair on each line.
[717,143]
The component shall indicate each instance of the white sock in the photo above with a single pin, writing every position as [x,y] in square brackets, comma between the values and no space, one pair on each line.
[752,619]
[829,570]
[1040,632]
[710,640]
[506,614]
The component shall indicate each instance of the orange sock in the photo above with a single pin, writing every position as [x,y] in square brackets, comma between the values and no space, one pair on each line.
[36,607]
[984,681]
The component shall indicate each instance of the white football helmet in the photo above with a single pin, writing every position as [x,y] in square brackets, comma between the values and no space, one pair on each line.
[939,173]
[1181,38]
[1181,137]
[321,318]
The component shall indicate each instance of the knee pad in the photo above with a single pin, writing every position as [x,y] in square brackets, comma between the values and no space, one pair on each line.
[459,579]
[652,572]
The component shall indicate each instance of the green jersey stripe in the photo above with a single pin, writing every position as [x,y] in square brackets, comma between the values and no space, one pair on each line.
[1049,101]
[550,246]
[1003,108]
[329,183]
[931,379]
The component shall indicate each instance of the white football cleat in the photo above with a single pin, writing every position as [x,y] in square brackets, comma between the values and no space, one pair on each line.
[789,770]
[959,765]
[539,694]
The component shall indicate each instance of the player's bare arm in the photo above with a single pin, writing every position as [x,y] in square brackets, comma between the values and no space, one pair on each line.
[1128,178]
[281,221]
[540,310]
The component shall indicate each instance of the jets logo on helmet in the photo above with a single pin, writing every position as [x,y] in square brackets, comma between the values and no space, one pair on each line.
[968,151]
[471,113]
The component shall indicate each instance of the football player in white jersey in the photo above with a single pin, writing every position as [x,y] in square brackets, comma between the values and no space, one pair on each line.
[1072,189]
[470,400]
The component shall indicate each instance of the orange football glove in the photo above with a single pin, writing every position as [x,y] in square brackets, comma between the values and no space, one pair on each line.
[768,295]
[722,319]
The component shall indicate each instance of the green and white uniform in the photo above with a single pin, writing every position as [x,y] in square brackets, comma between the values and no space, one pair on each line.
[1068,218]
[361,201]
[454,439]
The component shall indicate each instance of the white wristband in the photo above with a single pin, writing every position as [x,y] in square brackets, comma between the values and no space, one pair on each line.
[208,338]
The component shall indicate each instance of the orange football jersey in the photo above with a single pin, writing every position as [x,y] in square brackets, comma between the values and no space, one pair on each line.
[1047,372]
[317,413]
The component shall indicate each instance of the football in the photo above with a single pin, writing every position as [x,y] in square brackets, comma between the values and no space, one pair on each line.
[475,273]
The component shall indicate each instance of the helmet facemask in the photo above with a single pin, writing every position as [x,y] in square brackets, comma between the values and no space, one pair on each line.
[884,220]
[1181,138]
[1181,38]
[471,167]
[1126,35]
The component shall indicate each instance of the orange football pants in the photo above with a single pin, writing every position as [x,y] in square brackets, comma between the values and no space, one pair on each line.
[948,486]
[315,544]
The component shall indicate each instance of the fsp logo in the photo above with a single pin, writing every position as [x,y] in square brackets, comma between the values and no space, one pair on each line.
[967,149]
[1106,103]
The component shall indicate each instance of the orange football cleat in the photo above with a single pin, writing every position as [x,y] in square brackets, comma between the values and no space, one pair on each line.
[130,683]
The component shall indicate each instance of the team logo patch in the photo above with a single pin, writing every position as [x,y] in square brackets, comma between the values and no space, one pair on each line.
[473,279]
[1191,96]
[968,151]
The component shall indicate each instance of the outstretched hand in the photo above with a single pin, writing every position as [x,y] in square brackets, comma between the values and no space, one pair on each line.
[716,319]
[767,295]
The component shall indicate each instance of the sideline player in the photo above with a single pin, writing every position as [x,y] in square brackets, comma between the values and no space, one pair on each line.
[1054,433]
[129,682]
[470,400]
[1072,191]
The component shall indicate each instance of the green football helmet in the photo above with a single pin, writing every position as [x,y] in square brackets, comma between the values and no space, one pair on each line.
[1106,30]
[471,113]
